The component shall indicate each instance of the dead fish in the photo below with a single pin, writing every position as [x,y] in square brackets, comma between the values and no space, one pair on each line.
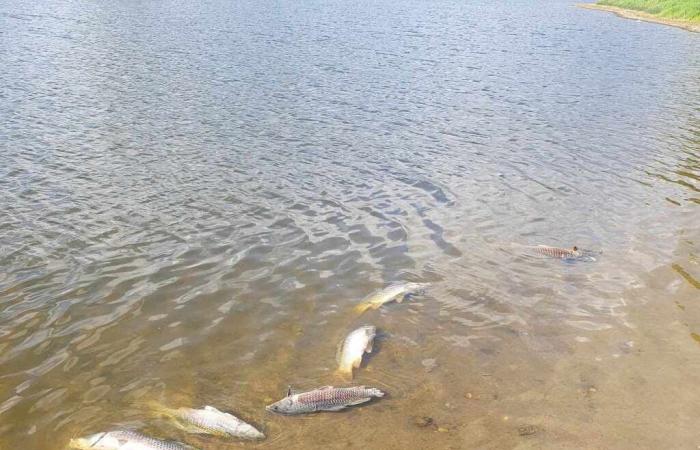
[327,398]
[209,420]
[393,292]
[354,346]
[563,253]
[125,440]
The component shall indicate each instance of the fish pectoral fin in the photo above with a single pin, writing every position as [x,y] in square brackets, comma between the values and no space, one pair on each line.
[369,347]
[356,363]
[335,408]
[362,400]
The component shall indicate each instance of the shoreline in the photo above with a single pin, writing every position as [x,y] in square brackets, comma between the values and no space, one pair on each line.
[640,15]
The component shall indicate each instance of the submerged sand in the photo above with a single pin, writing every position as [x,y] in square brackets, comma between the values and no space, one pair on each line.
[646,17]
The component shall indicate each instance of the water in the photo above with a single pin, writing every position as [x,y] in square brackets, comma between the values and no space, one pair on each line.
[195,196]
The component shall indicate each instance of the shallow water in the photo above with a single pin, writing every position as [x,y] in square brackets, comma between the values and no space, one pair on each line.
[195,196]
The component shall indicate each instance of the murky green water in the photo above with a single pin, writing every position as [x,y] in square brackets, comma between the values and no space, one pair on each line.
[195,196]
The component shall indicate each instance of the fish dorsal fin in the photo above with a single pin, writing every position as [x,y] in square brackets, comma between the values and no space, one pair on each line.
[210,408]
[289,390]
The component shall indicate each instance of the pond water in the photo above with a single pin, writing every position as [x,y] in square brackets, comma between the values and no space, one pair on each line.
[195,195]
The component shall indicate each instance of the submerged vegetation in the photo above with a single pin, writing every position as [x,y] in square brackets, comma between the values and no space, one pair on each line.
[687,10]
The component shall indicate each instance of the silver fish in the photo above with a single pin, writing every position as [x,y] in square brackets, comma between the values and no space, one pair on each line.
[563,253]
[390,293]
[353,347]
[327,398]
[124,440]
[210,420]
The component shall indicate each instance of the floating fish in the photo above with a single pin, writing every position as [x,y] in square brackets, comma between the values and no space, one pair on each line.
[393,292]
[210,420]
[125,440]
[354,346]
[563,253]
[327,398]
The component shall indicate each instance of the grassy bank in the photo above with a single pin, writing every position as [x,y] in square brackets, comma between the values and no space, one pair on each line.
[686,10]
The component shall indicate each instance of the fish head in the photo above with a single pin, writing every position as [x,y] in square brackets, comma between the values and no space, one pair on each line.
[417,288]
[581,254]
[284,406]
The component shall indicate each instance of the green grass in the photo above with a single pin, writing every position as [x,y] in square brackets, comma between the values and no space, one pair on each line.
[670,9]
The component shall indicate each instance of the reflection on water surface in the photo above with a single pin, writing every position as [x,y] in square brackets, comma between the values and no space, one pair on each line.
[195,197]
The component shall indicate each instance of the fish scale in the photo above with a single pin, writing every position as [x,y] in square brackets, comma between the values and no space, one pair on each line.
[556,252]
[332,396]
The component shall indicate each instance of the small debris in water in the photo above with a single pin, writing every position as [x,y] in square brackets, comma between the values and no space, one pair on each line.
[527,430]
[430,364]
[627,346]
[424,421]
[468,395]
[442,430]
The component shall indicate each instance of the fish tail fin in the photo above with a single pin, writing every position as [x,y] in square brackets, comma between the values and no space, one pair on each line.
[374,392]
[159,409]
[377,392]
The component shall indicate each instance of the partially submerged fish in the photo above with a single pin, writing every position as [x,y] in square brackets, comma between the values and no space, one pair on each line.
[354,346]
[393,292]
[210,420]
[125,440]
[563,253]
[327,398]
